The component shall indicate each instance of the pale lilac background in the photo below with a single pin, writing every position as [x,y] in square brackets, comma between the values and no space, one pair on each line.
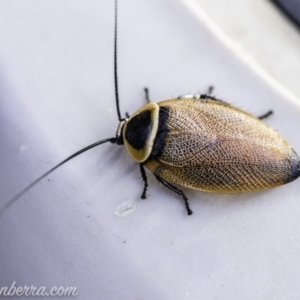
[86,226]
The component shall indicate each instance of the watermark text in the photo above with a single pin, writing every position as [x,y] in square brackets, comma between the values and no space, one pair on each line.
[31,290]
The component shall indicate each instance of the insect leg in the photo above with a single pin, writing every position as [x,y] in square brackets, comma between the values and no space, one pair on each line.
[267,114]
[127,115]
[145,181]
[147,95]
[210,90]
[209,95]
[177,191]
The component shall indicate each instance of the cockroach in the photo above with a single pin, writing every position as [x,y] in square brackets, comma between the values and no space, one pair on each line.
[198,142]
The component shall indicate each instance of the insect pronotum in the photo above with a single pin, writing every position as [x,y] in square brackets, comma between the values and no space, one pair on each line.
[198,142]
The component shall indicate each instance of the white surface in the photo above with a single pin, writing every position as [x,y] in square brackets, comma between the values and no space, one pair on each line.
[87,227]
[261,31]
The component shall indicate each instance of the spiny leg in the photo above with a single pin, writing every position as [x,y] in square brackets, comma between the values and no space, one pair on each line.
[269,113]
[209,94]
[177,191]
[145,181]
[210,90]
[147,95]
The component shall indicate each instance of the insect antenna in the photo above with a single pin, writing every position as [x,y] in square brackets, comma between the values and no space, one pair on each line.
[116,61]
[31,185]
[112,140]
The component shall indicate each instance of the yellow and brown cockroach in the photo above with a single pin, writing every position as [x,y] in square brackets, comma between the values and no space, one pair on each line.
[201,143]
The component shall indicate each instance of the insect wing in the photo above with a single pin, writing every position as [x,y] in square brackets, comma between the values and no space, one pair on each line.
[215,147]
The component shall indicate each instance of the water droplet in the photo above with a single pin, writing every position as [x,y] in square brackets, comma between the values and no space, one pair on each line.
[125,208]
[109,111]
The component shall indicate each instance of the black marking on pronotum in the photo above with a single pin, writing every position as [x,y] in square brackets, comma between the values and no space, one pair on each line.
[138,129]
